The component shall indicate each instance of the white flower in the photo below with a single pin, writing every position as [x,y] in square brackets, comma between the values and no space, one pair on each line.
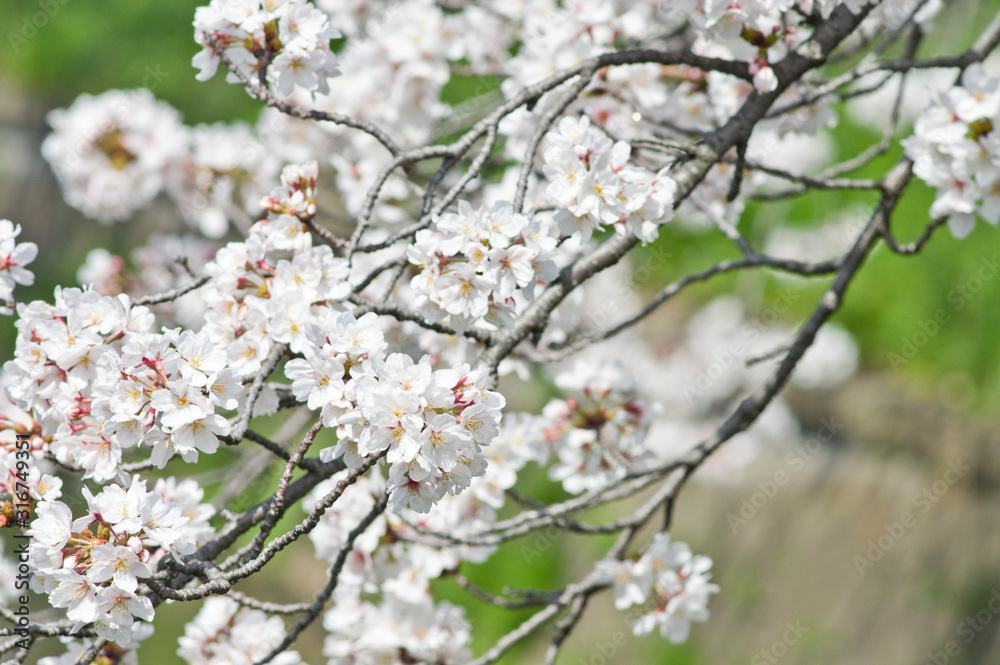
[77,594]
[163,522]
[677,581]
[222,634]
[13,258]
[179,404]
[201,434]
[118,563]
[955,148]
[632,581]
[119,609]
[304,57]
[53,524]
[119,507]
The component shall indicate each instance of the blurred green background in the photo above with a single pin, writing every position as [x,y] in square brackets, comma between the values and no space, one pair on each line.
[52,51]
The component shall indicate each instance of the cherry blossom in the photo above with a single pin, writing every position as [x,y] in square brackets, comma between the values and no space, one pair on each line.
[675,581]
[396,266]
[92,566]
[955,149]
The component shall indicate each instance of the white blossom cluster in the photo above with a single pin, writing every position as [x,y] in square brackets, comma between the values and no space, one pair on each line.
[596,433]
[405,562]
[556,37]
[763,32]
[223,633]
[91,379]
[955,148]
[478,268]
[668,576]
[13,257]
[92,566]
[394,66]
[430,424]
[760,33]
[124,653]
[593,185]
[386,579]
[413,560]
[553,38]
[225,171]
[297,193]
[114,153]
[291,36]
[397,633]
[98,381]
[267,290]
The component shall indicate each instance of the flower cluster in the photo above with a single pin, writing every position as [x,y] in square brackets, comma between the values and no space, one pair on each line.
[592,184]
[597,432]
[397,633]
[386,579]
[290,38]
[955,147]
[13,257]
[24,484]
[395,552]
[760,33]
[676,582]
[222,633]
[556,38]
[112,152]
[394,66]
[297,193]
[481,265]
[430,424]
[90,371]
[225,170]
[268,290]
[124,653]
[91,566]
